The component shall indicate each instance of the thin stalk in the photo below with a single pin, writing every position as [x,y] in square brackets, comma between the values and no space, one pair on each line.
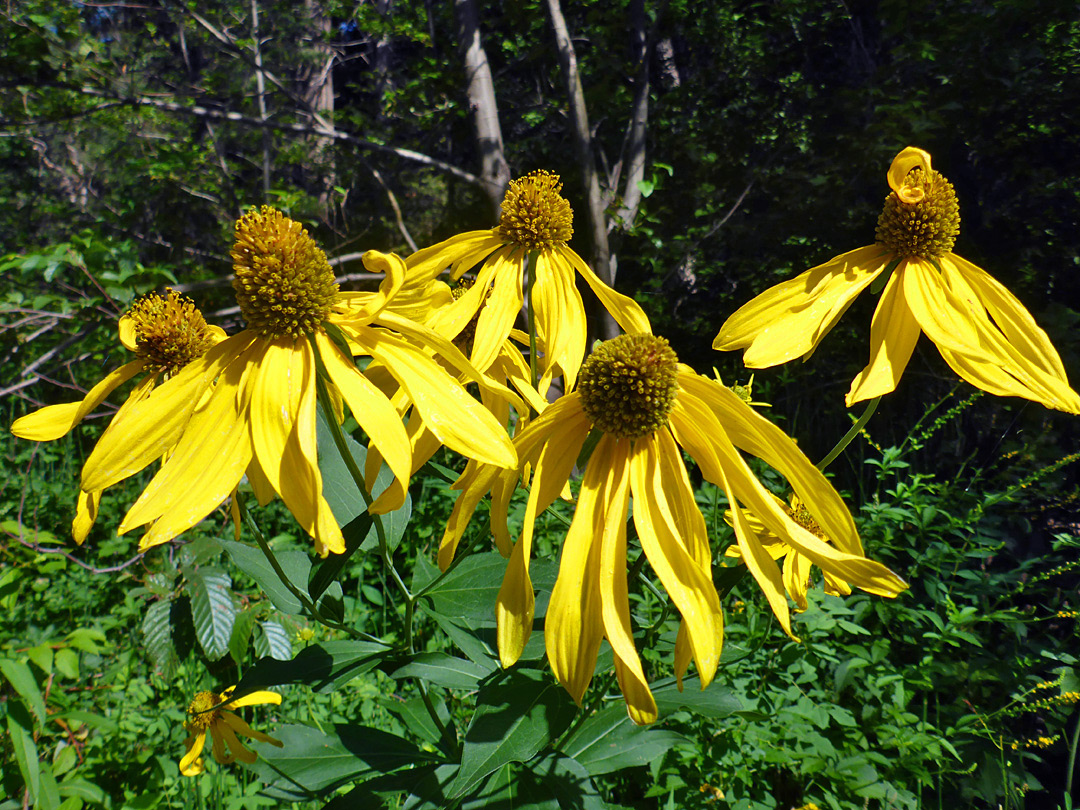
[1070,765]
[860,423]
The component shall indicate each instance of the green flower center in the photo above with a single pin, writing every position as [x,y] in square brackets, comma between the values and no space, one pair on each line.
[284,284]
[535,215]
[200,711]
[170,332]
[628,385]
[922,219]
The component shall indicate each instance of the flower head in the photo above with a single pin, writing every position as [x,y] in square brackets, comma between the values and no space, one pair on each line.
[210,712]
[248,406]
[166,333]
[982,331]
[645,406]
[533,231]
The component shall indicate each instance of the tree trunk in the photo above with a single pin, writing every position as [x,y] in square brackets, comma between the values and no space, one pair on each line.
[480,89]
[579,128]
[318,93]
[634,153]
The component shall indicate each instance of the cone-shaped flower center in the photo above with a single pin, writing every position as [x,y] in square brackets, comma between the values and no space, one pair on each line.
[170,332]
[922,218]
[628,385]
[284,284]
[534,214]
[200,716]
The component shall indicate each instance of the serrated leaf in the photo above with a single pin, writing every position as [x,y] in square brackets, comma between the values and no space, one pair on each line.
[23,682]
[157,636]
[610,741]
[324,667]
[240,640]
[212,609]
[714,701]
[469,590]
[443,670]
[516,715]
[312,761]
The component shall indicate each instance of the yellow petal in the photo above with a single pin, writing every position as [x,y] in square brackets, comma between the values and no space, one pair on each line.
[427,263]
[687,580]
[54,421]
[797,578]
[790,319]
[903,163]
[498,314]
[259,697]
[378,418]
[154,424]
[573,627]
[625,310]
[614,498]
[85,515]
[683,655]
[460,422]
[237,724]
[560,314]
[750,431]
[190,764]
[474,486]
[236,748]
[893,335]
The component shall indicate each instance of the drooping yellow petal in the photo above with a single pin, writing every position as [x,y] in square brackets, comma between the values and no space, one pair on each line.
[461,251]
[797,578]
[190,764]
[85,514]
[378,418]
[474,485]
[501,309]
[625,310]
[259,697]
[688,582]
[614,455]
[789,320]
[460,422]
[750,431]
[53,421]
[392,267]
[236,748]
[893,335]
[237,724]
[154,424]
[573,627]
[560,315]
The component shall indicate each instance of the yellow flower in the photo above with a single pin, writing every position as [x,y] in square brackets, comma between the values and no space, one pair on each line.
[984,333]
[536,220]
[210,712]
[249,404]
[796,566]
[166,334]
[645,405]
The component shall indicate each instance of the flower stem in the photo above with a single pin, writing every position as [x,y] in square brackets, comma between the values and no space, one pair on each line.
[860,423]
[1070,764]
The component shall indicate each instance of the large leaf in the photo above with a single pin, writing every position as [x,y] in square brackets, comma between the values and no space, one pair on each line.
[22,680]
[324,667]
[212,609]
[443,670]
[344,497]
[157,633]
[516,716]
[468,590]
[296,565]
[20,731]
[610,741]
[313,761]
[273,641]
[558,781]
[714,701]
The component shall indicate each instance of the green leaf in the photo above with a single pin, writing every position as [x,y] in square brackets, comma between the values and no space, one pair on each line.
[20,731]
[157,636]
[23,682]
[610,741]
[252,561]
[314,761]
[443,670]
[67,662]
[240,640]
[274,641]
[415,716]
[516,715]
[324,667]
[468,591]
[558,781]
[212,609]
[714,702]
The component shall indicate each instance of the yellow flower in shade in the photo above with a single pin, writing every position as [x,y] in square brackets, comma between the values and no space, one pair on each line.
[796,569]
[645,406]
[249,404]
[536,221]
[211,713]
[984,333]
[165,333]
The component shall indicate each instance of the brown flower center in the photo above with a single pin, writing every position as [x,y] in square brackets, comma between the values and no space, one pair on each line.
[922,218]
[535,215]
[170,332]
[628,385]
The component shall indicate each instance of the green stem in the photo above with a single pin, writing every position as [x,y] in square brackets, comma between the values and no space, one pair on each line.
[860,423]
[1070,765]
